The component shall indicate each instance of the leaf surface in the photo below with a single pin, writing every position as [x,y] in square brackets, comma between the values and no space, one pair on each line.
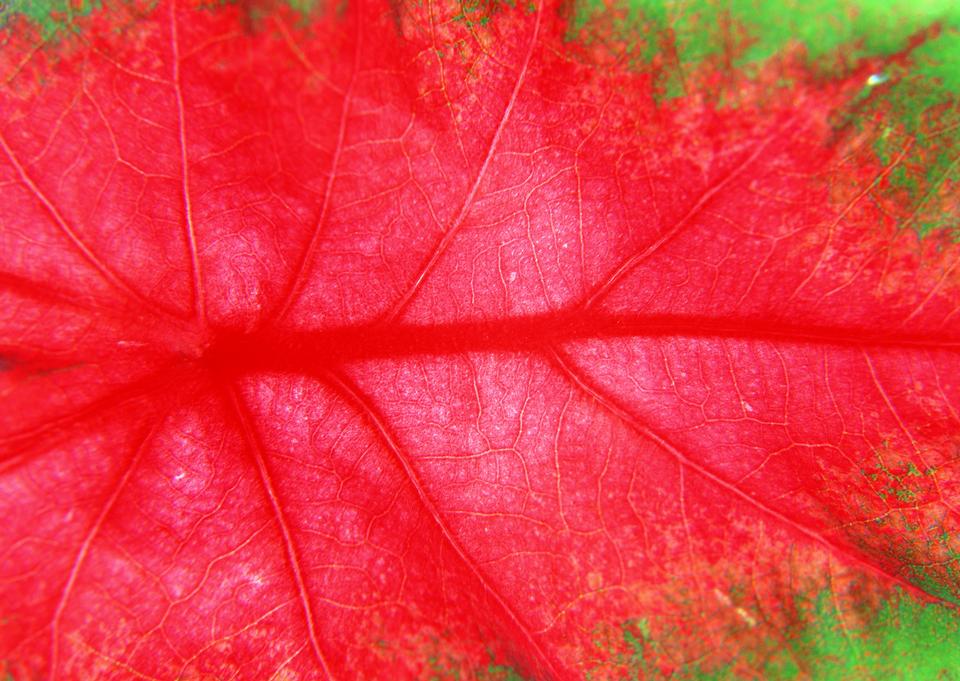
[451,340]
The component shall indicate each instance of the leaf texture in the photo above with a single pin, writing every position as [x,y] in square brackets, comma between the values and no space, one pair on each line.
[445,340]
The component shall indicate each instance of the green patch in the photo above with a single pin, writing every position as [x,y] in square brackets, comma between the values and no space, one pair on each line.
[54,18]
[905,495]
[756,30]
[638,653]
[499,672]
[302,7]
[936,61]
[937,582]
[305,7]
[863,28]
[495,671]
[51,17]
[443,669]
[899,639]
[255,13]
[637,28]
[903,639]
[903,483]
[921,104]
[911,98]
[479,13]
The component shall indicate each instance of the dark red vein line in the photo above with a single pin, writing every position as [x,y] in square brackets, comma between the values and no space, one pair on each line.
[309,255]
[159,381]
[43,292]
[645,431]
[678,226]
[199,297]
[467,204]
[107,274]
[253,444]
[352,395]
[313,351]
[84,550]
[831,229]
[885,396]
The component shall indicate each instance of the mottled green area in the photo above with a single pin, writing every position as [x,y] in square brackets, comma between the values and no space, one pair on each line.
[54,17]
[745,33]
[256,11]
[443,668]
[475,13]
[499,672]
[865,27]
[50,16]
[902,486]
[446,665]
[757,29]
[480,13]
[304,7]
[922,95]
[938,583]
[901,639]
[906,489]
[910,98]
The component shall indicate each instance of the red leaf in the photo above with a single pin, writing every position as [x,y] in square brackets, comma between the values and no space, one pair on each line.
[393,344]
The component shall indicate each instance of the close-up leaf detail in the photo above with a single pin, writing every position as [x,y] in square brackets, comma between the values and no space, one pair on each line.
[479,339]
